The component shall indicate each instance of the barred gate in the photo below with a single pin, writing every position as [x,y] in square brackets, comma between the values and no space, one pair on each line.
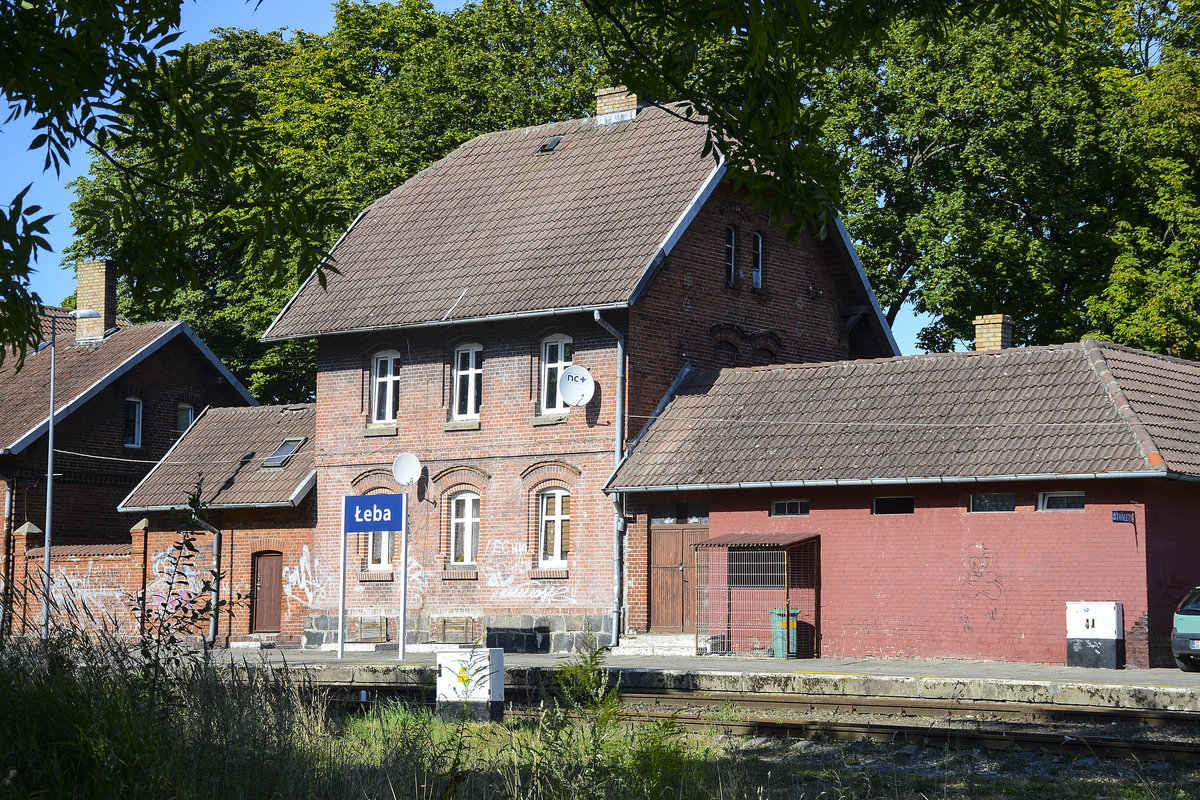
[758,595]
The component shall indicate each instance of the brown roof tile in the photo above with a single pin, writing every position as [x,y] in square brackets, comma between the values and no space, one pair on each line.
[498,228]
[227,446]
[1027,411]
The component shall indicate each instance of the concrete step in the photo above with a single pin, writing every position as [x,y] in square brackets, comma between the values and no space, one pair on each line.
[656,644]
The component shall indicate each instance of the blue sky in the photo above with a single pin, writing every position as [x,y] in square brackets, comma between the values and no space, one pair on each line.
[22,166]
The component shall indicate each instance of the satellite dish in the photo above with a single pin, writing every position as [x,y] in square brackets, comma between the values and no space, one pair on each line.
[576,386]
[406,469]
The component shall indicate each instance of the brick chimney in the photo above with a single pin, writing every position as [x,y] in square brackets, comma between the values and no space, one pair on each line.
[993,332]
[97,290]
[615,104]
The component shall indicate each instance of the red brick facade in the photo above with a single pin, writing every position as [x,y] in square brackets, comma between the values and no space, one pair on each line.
[946,582]
[513,453]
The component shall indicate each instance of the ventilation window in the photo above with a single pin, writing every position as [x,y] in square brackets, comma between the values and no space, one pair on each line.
[1060,501]
[789,508]
[550,144]
[893,505]
[987,503]
[283,452]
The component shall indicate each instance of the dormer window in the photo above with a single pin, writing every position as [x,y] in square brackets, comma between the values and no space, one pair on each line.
[557,352]
[468,381]
[385,386]
[284,452]
[756,248]
[730,256]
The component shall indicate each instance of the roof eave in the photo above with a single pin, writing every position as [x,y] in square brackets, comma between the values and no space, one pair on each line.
[910,481]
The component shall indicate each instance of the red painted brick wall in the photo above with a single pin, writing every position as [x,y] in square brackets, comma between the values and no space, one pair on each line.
[944,582]
[1173,558]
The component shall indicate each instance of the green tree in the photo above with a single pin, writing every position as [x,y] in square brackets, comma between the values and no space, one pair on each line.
[102,74]
[349,115]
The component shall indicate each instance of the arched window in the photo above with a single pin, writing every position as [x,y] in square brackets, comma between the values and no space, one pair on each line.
[468,381]
[385,386]
[554,527]
[557,352]
[464,528]
[730,256]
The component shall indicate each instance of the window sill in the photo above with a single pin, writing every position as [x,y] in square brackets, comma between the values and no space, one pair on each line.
[461,425]
[549,573]
[379,430]
[549,419]
[459,574]
[375,576]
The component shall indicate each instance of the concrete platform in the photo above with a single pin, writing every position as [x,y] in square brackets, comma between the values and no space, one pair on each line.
[931,679]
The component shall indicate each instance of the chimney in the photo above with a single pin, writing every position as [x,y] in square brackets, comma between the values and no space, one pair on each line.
[97,290]
[993,332]
[615,104]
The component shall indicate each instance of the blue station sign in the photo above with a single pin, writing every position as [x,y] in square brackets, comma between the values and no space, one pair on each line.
[374,512]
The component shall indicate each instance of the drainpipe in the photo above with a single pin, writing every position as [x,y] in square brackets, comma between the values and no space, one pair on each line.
[5,554]
[214,617]
[619,453]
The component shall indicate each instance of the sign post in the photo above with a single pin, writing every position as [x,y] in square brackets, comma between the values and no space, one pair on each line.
[368,513]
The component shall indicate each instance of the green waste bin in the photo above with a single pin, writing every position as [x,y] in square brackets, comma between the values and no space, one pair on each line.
[779,623]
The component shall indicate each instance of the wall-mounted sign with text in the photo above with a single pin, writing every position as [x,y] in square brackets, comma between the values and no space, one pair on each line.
[374,512]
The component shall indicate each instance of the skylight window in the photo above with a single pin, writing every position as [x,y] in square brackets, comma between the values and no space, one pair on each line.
[550,144]
[283,452]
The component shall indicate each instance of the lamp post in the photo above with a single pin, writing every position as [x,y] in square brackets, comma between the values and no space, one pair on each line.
[77,314]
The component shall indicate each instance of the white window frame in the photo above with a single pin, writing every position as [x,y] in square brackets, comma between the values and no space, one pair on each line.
[548,385]
[756,257]
[776,504]
[380,553]
[461,523]
[391,382]
[137,422]
[471,379]
[730,255]
[1042,497]
[191,409]
[555,520]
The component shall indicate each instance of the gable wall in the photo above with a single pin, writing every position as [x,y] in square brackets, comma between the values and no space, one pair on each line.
[506,594]
[947,583]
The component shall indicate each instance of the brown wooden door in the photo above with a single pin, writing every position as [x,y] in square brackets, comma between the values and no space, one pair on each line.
[267,601]
[672,577]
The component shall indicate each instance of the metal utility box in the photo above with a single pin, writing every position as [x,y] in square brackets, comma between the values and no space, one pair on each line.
[471,681]
[1096,635]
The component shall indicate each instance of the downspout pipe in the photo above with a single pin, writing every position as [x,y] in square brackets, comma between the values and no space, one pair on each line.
[5,554]
[214,616]
[619,454]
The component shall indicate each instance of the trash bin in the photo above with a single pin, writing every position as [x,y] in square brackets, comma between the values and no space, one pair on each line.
[780,647]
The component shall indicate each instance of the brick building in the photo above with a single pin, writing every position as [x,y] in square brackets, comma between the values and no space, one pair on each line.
[946,505]
[609,243]
[124,393]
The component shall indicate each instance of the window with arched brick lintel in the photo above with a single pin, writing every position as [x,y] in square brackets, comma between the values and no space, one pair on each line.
[543,471]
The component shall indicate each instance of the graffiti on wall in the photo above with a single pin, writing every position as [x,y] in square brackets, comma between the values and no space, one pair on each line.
[982,587]
[87,595]
[307,582]
[505,568]
[177,578]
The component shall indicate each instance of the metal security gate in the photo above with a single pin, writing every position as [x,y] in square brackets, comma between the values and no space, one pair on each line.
[758,595]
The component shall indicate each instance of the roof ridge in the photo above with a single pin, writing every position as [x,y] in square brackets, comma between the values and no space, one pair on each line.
[848,362]
[1112,387]
[1124,348]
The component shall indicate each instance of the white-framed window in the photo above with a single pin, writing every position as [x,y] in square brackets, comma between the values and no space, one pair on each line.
[133,422]
[468,381]
[1060,501]
[756,247]
[464,528]
[554,527]
[385,386]
[185,415]
[789,508]
[730,255]
[557,352]
[380,549]
[992,502]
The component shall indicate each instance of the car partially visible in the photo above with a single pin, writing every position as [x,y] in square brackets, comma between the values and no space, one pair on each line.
[1185,632]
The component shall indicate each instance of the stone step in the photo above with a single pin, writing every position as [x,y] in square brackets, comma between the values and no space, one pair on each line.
[656,644]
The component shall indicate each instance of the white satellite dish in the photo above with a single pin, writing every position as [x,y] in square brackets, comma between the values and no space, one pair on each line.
[406,469]
[576,386]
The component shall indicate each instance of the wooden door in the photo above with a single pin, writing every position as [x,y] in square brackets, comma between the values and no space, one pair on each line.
[672,577]
[267,601]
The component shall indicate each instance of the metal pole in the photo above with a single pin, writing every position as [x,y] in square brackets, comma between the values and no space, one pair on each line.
[402,625]
[342,587]
[49,496]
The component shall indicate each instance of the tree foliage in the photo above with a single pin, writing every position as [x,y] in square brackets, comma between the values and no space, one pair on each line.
[349,115]
[103,74]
